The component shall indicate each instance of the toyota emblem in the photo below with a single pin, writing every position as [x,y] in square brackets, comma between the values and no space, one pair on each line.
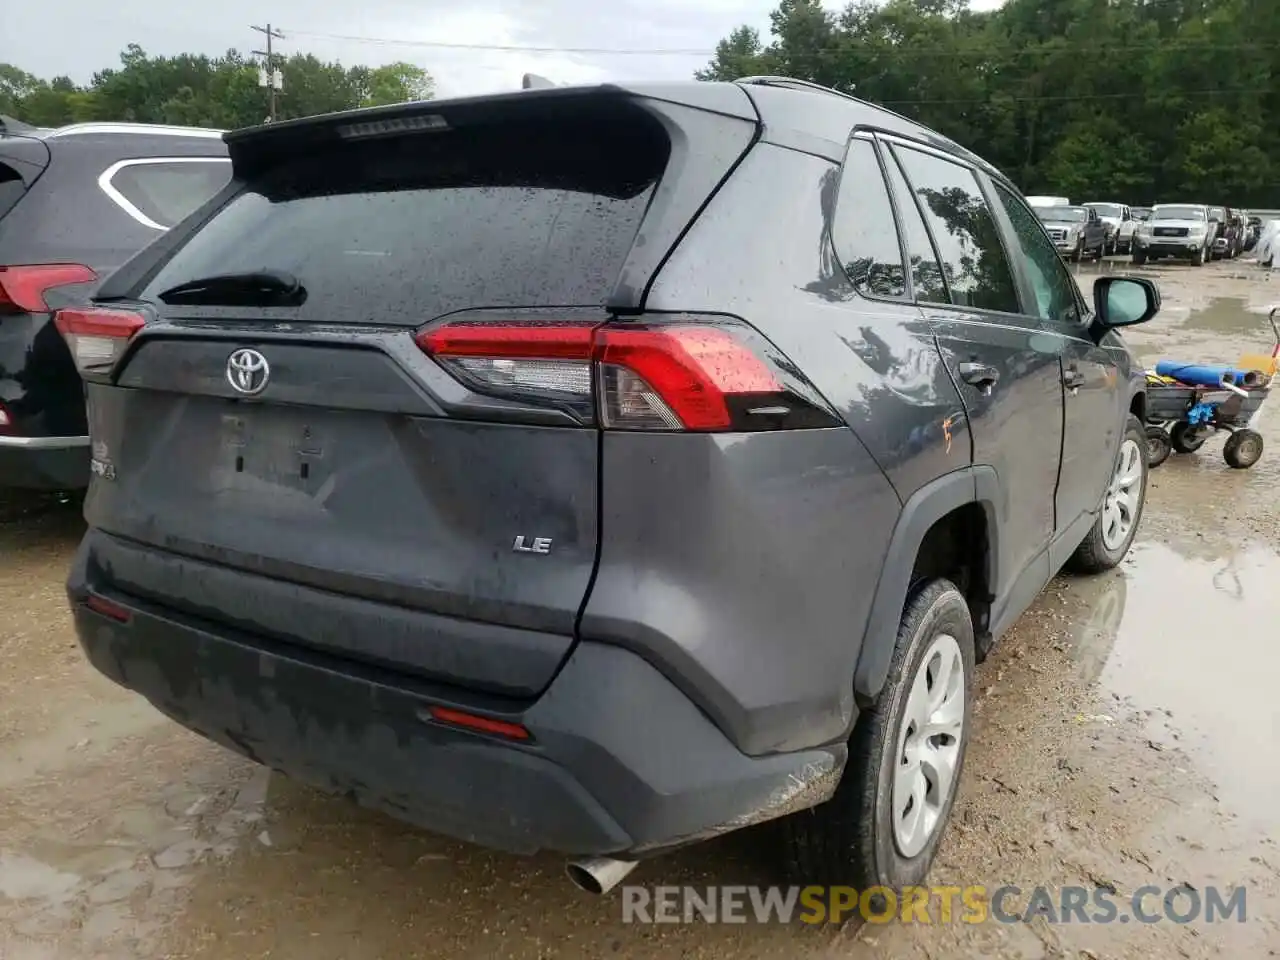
[248,372]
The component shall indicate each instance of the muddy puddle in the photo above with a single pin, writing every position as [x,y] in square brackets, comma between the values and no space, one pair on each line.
[1189,639]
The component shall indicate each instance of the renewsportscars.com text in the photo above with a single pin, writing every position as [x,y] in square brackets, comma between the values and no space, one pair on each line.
[934,904]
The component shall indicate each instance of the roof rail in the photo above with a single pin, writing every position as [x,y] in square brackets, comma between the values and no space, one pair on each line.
[149,129]
[768,81]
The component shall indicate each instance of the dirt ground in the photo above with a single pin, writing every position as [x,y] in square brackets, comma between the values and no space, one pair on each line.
[1126,735]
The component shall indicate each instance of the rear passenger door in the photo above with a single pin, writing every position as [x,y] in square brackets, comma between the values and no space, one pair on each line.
[1006,369]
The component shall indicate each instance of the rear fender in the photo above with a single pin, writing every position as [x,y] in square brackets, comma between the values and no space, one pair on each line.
[928,505]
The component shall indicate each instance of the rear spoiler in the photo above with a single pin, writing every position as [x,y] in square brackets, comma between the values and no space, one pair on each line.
[10,127]
[251,148]
[22,149]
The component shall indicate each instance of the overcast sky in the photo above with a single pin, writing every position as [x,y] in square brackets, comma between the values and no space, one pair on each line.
[91,33]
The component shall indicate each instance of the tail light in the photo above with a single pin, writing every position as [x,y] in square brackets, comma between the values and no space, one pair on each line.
[6,420]
[22,288]
[97,336]
[670,373]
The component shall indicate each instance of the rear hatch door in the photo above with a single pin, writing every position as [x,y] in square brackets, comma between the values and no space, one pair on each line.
[307,472]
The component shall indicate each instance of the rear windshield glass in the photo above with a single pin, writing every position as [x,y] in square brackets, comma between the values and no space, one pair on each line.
[405,229]
[160,193]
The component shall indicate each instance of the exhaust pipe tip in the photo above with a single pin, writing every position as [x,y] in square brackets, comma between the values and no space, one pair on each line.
[598,875]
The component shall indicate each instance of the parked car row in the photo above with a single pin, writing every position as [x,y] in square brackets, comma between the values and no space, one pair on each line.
[1195,232]
[1209,233]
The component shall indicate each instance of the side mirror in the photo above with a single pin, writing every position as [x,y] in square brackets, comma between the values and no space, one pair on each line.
[1125,301]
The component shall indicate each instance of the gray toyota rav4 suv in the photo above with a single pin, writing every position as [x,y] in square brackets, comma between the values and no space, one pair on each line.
[598,470]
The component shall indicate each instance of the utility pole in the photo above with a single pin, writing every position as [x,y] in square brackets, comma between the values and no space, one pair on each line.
[269,77]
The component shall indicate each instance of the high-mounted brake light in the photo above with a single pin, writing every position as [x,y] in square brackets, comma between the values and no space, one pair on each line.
[22,288]
[676,373]
[97,336]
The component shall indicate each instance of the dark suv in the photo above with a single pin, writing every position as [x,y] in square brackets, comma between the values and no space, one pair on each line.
[75,203]
[602,469]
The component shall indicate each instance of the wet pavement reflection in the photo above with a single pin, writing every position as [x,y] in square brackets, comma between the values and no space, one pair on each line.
[1192,641]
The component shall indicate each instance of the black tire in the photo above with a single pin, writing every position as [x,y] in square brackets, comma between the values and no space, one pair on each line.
[1187,438]
[1139,258]
[1243,449]
[1093,555]
[1078,254]
[1158,446]
[1198,259]
[850,840]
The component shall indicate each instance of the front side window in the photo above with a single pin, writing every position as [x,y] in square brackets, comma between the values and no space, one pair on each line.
[1054,288]
[964,231]
[863,230]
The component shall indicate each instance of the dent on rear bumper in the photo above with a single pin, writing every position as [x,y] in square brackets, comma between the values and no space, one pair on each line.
[621,762]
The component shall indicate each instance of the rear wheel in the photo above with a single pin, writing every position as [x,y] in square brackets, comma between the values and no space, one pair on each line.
[1117,522]
[884,824]
[1243,449]
[1187,438]
[1158,446]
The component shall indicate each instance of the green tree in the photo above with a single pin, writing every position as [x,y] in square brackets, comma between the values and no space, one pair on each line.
[198,90]
[1137,100]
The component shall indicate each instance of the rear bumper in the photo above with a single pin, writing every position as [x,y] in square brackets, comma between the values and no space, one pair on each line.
[620,762]
[44,463]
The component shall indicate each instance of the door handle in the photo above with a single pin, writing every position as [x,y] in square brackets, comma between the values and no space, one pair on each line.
[1072,379]
[980,375]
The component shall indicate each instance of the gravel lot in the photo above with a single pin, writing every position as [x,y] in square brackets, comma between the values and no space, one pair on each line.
[1126,735]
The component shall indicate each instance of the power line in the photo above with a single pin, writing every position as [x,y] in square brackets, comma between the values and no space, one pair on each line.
[507,48]
[922,52]
[1068,98]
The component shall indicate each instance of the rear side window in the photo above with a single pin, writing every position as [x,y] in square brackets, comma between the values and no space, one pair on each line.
[863,230]
[159,193]
[11,188]
[402,230]
[964,230]
[926,273]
